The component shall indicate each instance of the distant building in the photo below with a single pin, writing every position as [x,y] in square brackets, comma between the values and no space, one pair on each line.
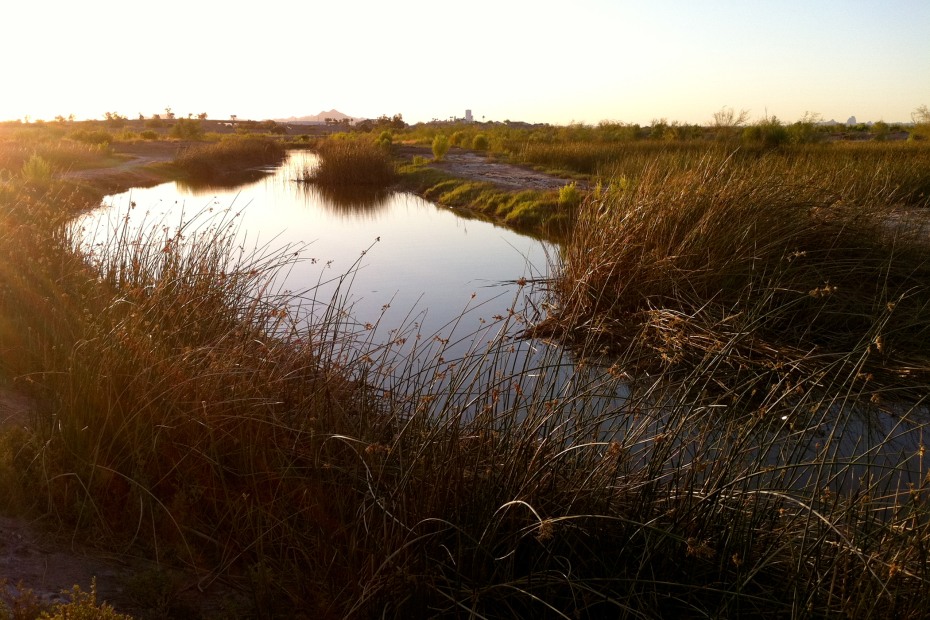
[468,118]
[851,121]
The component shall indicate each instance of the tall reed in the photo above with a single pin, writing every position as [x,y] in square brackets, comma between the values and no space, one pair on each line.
[194,411]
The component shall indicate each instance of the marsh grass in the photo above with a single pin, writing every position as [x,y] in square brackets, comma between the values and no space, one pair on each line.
[352,162]
[773,263]
[195,411]
[213,161]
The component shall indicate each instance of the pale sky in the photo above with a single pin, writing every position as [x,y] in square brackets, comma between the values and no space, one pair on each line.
[535,61]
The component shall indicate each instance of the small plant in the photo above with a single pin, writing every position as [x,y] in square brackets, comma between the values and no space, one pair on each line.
[83,606]
[569,196]
[149,134]
[480,142]
[458,138]
[419,160]
[385,140]
[37,171]
[440,147]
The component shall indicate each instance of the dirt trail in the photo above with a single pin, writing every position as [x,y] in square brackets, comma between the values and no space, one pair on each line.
[475,167]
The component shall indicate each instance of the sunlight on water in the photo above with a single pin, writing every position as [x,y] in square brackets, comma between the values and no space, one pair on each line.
[427,264]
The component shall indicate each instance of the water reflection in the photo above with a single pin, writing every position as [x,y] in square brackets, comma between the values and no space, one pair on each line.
[350,202]
[206,187]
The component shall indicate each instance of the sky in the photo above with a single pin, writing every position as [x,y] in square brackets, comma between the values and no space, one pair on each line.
[537,61]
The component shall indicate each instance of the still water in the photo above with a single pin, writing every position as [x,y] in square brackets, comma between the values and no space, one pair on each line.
[413,267]
[407,263]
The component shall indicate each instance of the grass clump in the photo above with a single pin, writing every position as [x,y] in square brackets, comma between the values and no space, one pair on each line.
[214,161]
[766,263]
[346,162]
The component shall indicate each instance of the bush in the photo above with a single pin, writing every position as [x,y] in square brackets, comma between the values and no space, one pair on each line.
[458,138]
[440,147]
[768,133]
[92,137]
[187,129]
[480,142]
[148,134]
[385,140]
[37,171]
[880,130]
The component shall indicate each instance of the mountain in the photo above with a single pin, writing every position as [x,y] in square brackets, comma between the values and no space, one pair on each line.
[316,118]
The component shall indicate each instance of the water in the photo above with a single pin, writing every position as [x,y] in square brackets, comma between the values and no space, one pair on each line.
[418,269]
[408,263]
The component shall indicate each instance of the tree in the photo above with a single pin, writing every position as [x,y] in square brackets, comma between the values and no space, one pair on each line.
[727,117]
[202,116]
[921,118]
[168,113]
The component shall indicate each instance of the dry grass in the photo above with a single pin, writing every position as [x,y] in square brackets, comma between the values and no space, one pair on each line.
[210,162]
[352,163]
[194,411]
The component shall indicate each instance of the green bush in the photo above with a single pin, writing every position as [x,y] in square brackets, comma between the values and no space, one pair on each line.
[440,147]
[385,140]
[458,138]
[768,133]
[569,196]
[480,142]
[187,129]
[37,170]
[880,130]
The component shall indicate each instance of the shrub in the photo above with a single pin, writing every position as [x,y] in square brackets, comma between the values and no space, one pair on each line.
[187,129]
[458,138]
[569,196]
[385,140]
[37,171]
[148,134]
[768,133]
[880,130]
[92,137]
[440,147]
[480,142]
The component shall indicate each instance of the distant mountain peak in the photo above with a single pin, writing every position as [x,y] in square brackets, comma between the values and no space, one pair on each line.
[317,118]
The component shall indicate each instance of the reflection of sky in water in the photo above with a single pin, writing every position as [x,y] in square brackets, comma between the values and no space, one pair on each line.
[430,265]
[417,256]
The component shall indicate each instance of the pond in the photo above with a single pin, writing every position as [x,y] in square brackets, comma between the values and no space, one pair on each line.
[407,262]
[413,267]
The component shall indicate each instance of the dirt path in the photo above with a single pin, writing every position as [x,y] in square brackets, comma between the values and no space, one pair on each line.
[475,167]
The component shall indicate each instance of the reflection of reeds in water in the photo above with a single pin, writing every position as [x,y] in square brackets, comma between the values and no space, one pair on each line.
[361,202]
[343,477]
[226,182]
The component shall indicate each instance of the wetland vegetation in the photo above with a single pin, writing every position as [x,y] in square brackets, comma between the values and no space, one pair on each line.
[736,429]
